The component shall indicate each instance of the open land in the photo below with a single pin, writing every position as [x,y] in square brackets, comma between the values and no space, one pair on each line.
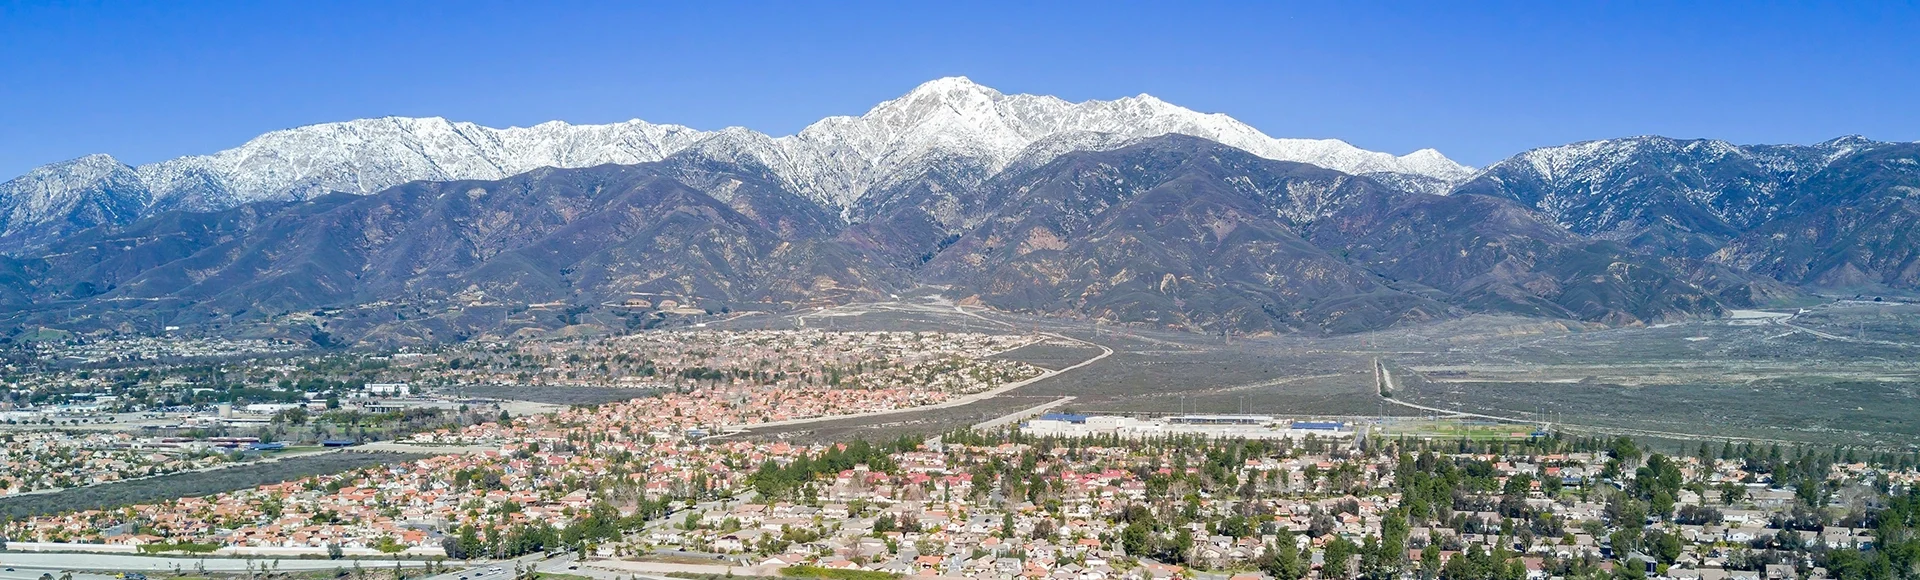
[1831,374]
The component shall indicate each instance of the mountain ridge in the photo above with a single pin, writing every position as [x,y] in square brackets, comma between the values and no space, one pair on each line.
[1174,230]
[834,161]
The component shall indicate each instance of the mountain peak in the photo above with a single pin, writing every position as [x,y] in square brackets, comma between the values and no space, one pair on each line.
[83,169]
[94,159]
[947,125]
[937,97]
[1846,141]
[949,85]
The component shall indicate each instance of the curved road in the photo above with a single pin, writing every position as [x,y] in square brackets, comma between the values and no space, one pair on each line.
[966,400]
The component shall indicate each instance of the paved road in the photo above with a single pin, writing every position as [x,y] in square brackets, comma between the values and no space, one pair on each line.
[661,568]
[42,562]
[34,574]
[1016,416]
[496,570]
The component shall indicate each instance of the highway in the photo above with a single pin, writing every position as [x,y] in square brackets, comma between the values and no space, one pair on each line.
[502,569]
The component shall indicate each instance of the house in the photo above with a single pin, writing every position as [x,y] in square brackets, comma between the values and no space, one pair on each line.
[1779,572]
[839,564]
[738,541]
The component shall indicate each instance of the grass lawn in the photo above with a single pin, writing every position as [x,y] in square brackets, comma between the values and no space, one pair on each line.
[1455,429]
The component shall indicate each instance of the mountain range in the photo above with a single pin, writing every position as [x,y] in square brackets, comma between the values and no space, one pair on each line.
[950,126]
[1132,210]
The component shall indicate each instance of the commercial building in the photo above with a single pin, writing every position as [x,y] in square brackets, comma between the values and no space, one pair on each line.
[1224,426]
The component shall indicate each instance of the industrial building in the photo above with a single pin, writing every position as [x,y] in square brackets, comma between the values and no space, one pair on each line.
[1223,426]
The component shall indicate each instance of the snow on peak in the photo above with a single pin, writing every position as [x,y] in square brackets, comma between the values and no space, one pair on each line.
[834,161]
[837,159]
[98,187]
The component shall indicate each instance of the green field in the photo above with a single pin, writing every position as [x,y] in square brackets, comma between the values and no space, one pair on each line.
[1456,429]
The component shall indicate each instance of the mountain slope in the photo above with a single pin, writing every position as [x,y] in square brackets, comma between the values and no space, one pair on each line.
[1661,195]
[70,196]
[1190,233]
[1171,230]
[585,237]
[1854,225]
[949,127]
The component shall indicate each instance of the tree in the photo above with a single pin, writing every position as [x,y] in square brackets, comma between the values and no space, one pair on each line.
[1336,557]
[1430,559]
[1731,492]
[1550,486]
[1282,560]
[388,545]
[296,416]
[465,545]
[1625,450]
[1393,541]
[1137,539]
[335,552]
[1662,545]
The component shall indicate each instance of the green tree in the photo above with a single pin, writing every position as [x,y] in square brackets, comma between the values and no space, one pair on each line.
[1282,560]
[1336,557]
[1137,539]
[1430,559]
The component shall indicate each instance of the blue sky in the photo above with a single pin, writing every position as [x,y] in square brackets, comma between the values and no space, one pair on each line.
[145,81]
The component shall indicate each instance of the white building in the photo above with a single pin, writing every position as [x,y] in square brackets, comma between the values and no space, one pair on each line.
[1223,426]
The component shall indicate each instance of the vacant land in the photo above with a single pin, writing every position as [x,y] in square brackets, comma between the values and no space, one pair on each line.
[1845,372]
[1051,354]
[192,484]
[1793,379]
[1870,321]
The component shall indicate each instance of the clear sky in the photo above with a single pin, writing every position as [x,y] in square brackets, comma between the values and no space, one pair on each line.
[146,81]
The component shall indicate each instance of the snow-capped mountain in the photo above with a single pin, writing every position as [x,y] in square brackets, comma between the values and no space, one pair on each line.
[1684,196]
[838,159]
[367,155]
[834,161]
[72,195]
